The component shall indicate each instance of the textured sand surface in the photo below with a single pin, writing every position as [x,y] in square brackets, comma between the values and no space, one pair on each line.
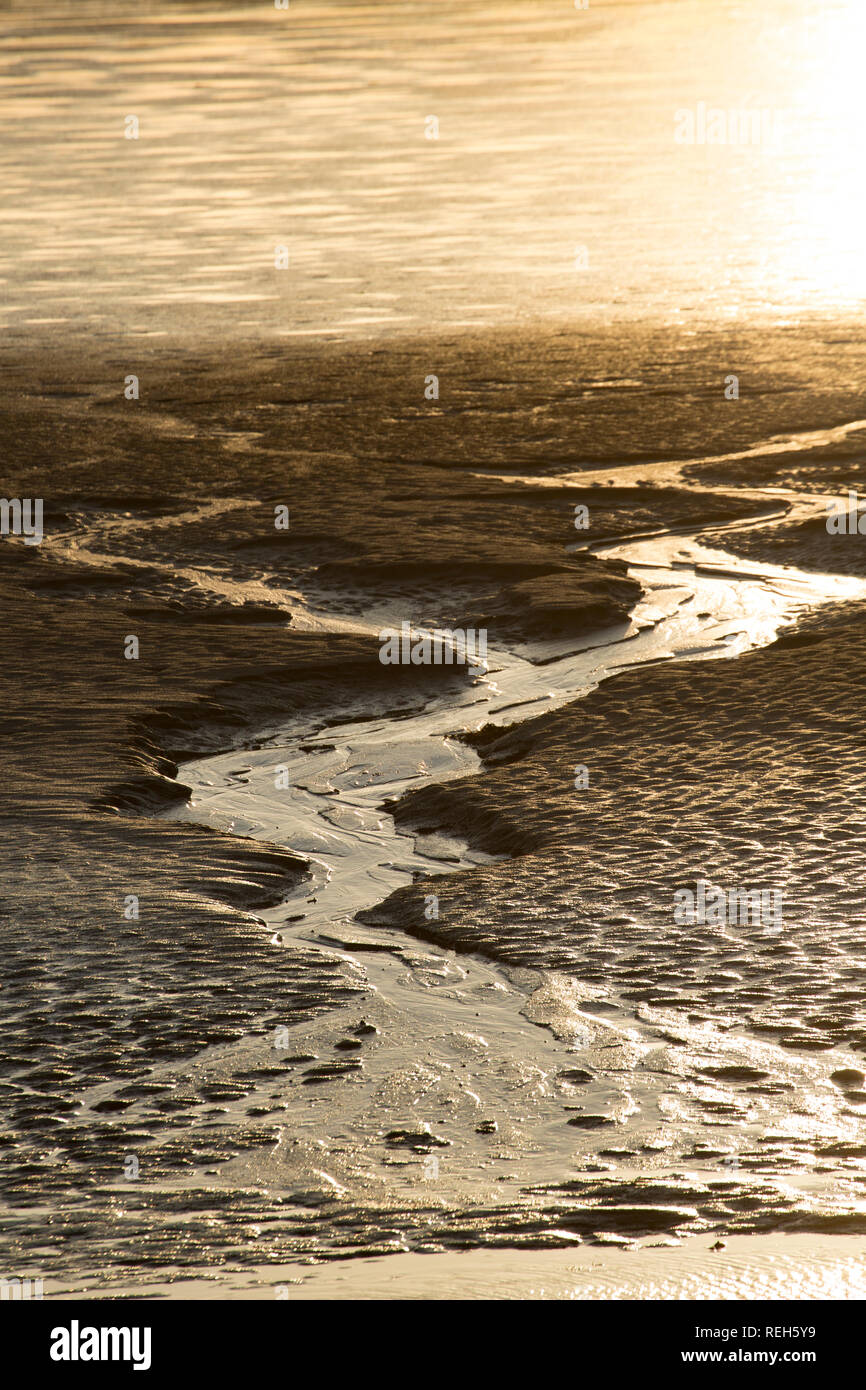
[631,1076]
[747,1267]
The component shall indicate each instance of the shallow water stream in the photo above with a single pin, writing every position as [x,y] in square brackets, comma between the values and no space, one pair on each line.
[456,1034]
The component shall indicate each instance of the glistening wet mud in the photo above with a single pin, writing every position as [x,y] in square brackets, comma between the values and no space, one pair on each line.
[302,1060]
[766,1140]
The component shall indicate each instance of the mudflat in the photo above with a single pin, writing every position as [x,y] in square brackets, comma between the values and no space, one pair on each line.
[252,869]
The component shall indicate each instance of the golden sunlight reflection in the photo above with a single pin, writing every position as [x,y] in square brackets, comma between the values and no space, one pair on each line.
[823,255]
[561,185]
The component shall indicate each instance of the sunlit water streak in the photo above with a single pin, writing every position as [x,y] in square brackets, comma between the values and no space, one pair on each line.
[699,604]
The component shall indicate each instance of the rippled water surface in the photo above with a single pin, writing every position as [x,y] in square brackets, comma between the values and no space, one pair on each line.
[555,188]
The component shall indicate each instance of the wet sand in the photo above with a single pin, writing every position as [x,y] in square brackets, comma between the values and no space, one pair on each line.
[588,1072]
[747,1268]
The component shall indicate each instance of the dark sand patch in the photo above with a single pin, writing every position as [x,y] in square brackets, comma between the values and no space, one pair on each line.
[539,400]
[98,988]
[743,773]
[807,545]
